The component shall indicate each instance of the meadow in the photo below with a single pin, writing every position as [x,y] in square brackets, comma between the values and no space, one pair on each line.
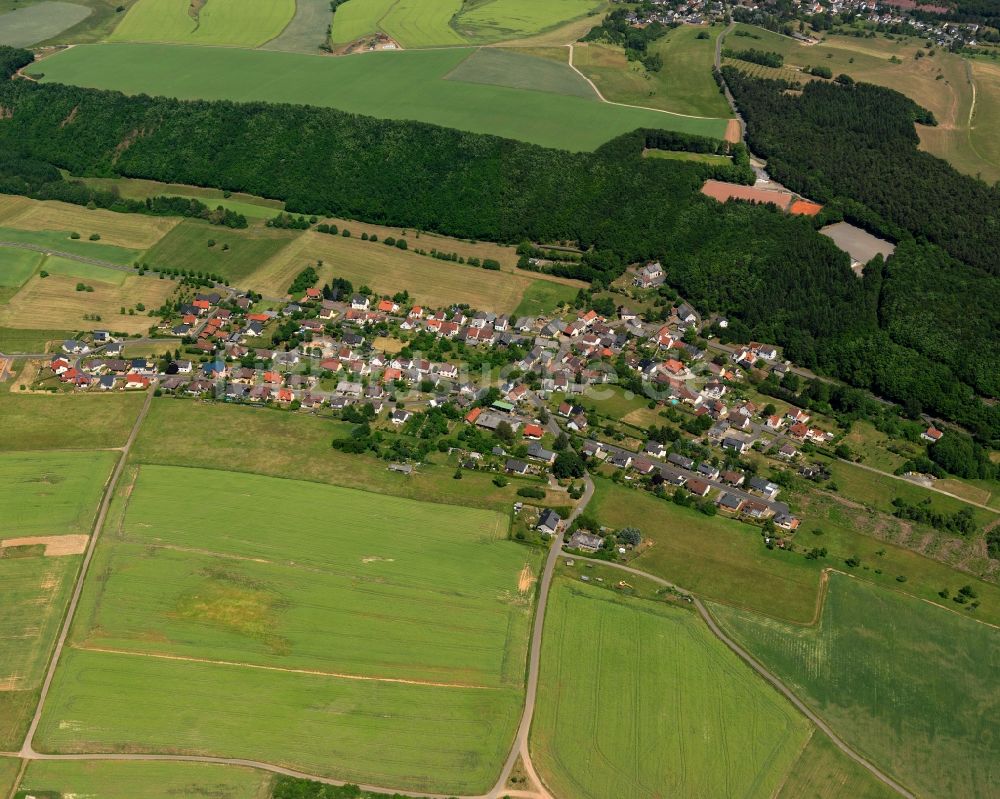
[308,29]
[60,241]
[912,686]
[543,297]
[110,780]
[396,85]
[357,18]
[511,67]
[9,769]
[639,699]
[139,189]
[824,772]
[985,120]
[54,303]
[422,23]
[244,23]
[490,21]
[79,270]
[86,421]
[16,266]
[29,25]
[35,341]
[131,231]
[365,618]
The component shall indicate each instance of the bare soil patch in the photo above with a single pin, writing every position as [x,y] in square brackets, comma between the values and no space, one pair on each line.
[55,545]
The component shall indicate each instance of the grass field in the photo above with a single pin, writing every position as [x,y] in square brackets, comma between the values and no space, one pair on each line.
[138,189]
[986,119]
[54,303]
[497,66]
[257,440]
[422,23]
[397,85]
[131,231]
[9,768]
[677,155]
[491,21]
[109,780]
[402,622]
[912,686]
[246,23]
[62,421]
[18,340]
[307,30]
[27,26]
[542,297]
[638,699]
[186,246]
[67,267]
[16,266]
[11,205]
[685,84]
[389,270]
[60,241]
[357,18]
[824,772]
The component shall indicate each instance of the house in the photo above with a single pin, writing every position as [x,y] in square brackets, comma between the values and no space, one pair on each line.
[515,466]
[756,510]
[59,365]
[655,449]
[183,367]
[107,382]
[74,347]
[102,337]
[737,445]
[588,542]
[686,314]
[387,306]
[698,487]
[593,449]
[359,302]
[787,451]
[708,470]
[400,416]
[765,351]
[931,434]
[774,422]
[549,522]
[730,502]
[346,388]
[786,521]
[133,380]
[538,452]
[649,276]
[114,349]
[679,460]
[764,487]
[533,431]
[401,468]
[643,465]
[578,423]
[621,459]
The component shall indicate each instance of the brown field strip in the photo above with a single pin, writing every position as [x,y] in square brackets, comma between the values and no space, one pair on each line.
[55,545]
[54,303]
[11,205]
[135,231]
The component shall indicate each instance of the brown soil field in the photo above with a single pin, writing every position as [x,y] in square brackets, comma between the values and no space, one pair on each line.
[135,231]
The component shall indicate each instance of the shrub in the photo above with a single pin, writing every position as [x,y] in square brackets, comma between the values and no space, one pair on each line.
[532,492]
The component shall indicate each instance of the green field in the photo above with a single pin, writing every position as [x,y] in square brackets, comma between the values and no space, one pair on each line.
[61,242]
[138,189]
[363,618]
[109,780]
[495,66]
[13,339]
[422,23]
[60,421]
[677,155]
[9,768]
[406,85]
[16,266]
[543,297]
[357,18]
[488,21]
[186,247]
[824,772]
[913,687]
[27,26]
[638,699]
[56,265]
[307,30]
[246,23]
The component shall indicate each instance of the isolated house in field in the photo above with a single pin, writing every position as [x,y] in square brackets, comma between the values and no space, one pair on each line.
[588,542]
[931,434]
[649,276]
[549,522]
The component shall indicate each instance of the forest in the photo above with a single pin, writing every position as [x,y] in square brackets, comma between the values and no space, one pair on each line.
[771,274]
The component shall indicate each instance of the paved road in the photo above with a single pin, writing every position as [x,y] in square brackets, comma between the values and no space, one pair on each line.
[767,675]
[109,490]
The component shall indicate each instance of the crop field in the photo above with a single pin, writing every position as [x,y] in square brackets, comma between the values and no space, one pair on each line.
[245,23]
[396,85]
[422,23]
[16,266]
[388,270]
[186,246]
[261,441]
[497,66]
[132,231]
[56,241]
[824,772]
[27,26]
[373,617]
[54,302]
[491,21]
[307,30]
[9,769]
[357,18]
[637,699]
[62,421]
[128,780]
[912,686]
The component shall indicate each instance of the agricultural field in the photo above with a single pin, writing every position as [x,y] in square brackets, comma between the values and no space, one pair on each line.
[80,270]
[16,266]
[824,772]
[13,340]
[497,66]
[404,622]
[307,31]
[639,699]
[242,23]
[407,85]
[61,421]
[127,780]
[139,189]
[422,23]
[358,18]
[684,86]
[388,270]
[131,231]
[29,25]
[60,241]
[54,303]
[985,120]
[9,769]
[48,501]
[912,686]
[490,21]
[235,256]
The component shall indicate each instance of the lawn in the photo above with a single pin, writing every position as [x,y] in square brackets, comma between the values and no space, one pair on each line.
[638,699]
[60,241]
[496,66]
[87,421]
[244,23]
[186,247]
[397,85]
[27,26]
[284,444]
[824,772]
[16,266]
[124,780]
[365,618]
[55,303]
[543,297]
[388,270]
[131,231]
[491,21]
[912,686]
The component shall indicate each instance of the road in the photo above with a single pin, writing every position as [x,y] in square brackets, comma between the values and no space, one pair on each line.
[783,689]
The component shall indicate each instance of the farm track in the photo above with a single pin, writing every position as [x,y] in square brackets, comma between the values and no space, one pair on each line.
[19,245]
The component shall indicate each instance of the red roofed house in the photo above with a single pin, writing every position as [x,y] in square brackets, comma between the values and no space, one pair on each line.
[472,415]
[533,431]
[932,434]
[258,317]
[136,381]
[388,306]
[673,366]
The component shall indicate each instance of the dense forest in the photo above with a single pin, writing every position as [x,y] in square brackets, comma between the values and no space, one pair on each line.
[769,273]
